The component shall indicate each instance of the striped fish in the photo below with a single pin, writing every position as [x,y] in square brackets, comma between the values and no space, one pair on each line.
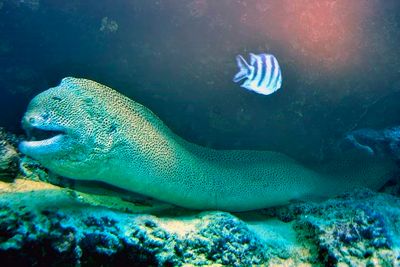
[262,76]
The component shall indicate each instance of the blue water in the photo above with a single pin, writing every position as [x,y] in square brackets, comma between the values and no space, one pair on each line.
[340,62]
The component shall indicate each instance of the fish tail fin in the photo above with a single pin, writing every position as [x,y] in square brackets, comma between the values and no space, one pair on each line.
[244,69]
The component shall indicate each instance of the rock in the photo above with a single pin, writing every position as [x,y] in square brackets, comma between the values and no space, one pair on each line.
[8,157]
[358,229]
[52,226]
[372,142]
[46,224]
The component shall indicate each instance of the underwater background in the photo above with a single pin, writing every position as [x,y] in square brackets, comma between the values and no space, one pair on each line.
[340,64]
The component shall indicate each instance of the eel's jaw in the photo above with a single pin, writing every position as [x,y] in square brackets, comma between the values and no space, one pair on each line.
[45,147]
[52,141]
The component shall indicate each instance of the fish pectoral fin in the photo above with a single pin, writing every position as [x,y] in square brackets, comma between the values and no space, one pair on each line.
[244,69]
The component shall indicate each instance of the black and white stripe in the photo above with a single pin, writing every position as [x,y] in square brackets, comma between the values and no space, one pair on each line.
[263,75]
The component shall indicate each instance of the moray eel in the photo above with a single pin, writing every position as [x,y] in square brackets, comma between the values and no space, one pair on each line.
[83,130]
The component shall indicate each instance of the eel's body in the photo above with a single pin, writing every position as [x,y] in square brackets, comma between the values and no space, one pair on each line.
[103,135]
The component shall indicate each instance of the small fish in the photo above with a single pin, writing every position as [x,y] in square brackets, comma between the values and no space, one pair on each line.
[262,76]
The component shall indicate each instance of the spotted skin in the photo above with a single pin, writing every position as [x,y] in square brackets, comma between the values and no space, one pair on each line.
[111,138]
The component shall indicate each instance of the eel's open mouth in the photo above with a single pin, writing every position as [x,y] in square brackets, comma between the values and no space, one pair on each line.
[37,134]
[42,141]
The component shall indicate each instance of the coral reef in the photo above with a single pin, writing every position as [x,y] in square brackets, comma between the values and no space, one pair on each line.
[384,142]
[355,230]
[46,224]
[8,156]
[53,227]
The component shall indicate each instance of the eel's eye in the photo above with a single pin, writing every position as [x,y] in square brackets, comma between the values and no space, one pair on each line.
[45,116]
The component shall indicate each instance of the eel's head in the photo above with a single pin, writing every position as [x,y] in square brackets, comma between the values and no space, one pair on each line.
[61,125]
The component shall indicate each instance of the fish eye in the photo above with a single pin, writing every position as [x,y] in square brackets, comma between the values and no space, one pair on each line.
[56,98]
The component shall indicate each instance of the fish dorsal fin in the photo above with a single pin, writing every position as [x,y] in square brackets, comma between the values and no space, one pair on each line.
[244,69]
[253,59]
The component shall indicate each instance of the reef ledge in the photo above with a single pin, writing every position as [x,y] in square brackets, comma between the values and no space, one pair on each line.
[45,225]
